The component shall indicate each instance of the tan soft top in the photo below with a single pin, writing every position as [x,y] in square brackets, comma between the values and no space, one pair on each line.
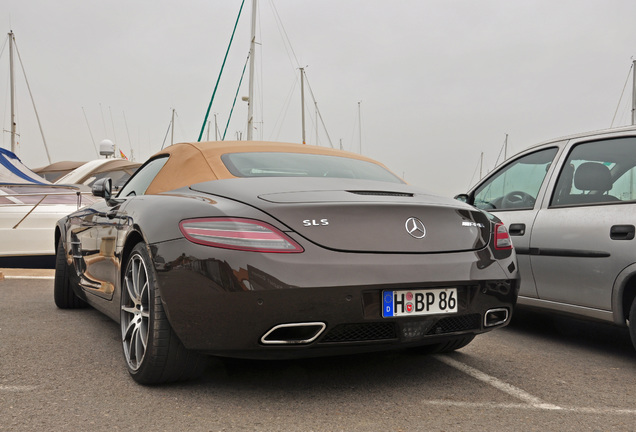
[114,164]
[64,166]
[196,162]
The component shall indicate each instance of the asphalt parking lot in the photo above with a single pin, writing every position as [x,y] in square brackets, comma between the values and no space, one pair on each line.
[63,370]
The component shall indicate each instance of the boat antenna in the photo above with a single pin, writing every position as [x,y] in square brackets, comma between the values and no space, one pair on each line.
[112,123]
[90,132]
[128,133]
[631,68]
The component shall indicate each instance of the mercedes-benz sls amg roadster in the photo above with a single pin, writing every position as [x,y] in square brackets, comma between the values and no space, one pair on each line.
[271,250]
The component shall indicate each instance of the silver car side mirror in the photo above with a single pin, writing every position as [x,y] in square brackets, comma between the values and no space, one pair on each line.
[463,198]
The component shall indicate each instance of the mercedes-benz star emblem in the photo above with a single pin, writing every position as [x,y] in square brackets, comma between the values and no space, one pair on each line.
[415,228]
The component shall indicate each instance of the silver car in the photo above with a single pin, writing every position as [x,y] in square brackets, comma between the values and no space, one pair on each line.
[570,208]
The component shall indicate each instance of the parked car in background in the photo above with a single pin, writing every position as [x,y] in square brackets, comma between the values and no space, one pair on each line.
[272,250]
[30,206]
[570,208]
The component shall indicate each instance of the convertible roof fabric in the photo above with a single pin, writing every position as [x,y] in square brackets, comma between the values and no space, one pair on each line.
[196,162]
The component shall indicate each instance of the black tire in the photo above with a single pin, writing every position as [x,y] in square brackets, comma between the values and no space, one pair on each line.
[446,346]
[65,297]
[153,352]
[632,322]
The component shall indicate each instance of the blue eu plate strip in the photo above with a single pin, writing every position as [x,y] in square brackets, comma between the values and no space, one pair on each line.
[387,304]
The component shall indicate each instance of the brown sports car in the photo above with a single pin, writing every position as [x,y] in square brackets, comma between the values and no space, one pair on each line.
[271,250]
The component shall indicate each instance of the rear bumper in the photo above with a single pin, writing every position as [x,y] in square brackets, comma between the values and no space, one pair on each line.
[224,306]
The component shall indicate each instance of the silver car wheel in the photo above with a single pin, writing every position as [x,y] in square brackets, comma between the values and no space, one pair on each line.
[135,311]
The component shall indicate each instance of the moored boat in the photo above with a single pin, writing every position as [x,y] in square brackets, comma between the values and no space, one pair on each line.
[29,208]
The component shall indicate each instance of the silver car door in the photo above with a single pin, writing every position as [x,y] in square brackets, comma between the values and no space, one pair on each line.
[514,193]
[585,237]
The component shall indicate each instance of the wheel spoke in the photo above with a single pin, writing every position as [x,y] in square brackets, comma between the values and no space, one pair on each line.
[127,330]
[128,310]
[134,357]
[130,289]
[143,295]
[140,346]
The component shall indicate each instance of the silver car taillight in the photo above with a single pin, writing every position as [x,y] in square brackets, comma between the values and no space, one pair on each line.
[502,238]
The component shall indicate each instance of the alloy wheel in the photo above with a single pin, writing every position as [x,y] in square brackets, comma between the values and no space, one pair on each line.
[135,311]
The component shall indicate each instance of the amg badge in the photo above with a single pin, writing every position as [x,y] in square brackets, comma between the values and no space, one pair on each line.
[472,224]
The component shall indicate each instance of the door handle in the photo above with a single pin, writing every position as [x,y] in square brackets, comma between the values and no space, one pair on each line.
[517,229]
[622,232]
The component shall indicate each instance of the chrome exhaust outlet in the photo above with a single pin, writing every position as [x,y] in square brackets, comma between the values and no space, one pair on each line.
[494,317]
[293,333]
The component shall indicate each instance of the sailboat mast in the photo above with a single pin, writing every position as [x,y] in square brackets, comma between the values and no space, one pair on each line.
[360,124]
[506,148]
[172,128]
[634,93]
[302,101]
[12,85]
[250,105]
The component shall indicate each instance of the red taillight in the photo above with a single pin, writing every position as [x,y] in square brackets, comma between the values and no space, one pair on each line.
[239,234]
[502,238]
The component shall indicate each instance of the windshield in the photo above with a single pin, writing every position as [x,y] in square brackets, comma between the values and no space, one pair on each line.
[263,164]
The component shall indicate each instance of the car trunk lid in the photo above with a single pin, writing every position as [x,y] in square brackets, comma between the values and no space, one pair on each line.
[362,216]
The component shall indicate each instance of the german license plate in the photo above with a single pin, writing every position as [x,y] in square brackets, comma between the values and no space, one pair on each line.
[419,302]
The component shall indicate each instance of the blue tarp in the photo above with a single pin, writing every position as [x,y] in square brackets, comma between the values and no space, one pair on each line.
[13,171]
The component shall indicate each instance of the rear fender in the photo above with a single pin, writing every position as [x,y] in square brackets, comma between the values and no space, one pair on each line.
[623,293]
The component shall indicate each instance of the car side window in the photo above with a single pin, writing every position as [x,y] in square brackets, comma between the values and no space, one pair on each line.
[624,188]
[140,181]
[598,172]
[516,185]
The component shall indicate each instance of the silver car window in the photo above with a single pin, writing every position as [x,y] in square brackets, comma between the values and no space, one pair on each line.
[517,184]
[599,172]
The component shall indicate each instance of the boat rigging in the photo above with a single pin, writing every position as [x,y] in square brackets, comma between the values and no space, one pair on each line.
[13,131]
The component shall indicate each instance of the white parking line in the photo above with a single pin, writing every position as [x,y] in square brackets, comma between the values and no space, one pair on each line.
[498,384]
[531,402]
[30,277]
[9,388]
[491,405]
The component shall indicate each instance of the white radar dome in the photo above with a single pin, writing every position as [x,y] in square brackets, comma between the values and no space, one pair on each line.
[106,148]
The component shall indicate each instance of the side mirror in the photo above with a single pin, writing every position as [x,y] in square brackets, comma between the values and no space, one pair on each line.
[465,198]
[103,188]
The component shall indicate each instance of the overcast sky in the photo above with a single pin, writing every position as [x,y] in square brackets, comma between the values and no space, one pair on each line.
[434,83]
